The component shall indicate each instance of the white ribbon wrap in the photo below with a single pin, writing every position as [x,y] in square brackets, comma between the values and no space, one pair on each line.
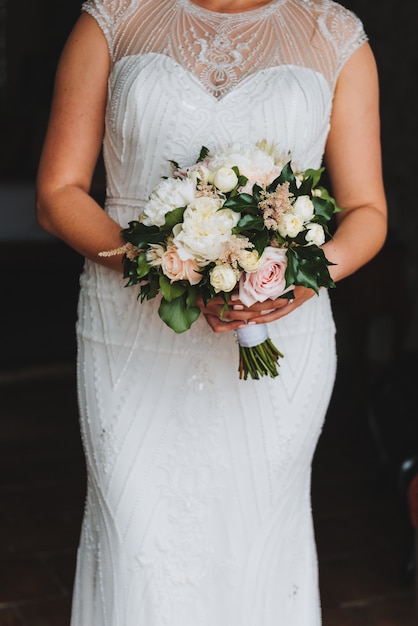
[250,336]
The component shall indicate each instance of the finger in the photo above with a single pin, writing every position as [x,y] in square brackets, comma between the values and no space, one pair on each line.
[222,327]
[272,315]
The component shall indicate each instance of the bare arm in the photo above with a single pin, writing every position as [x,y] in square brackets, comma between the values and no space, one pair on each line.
[353,160]
[72,145]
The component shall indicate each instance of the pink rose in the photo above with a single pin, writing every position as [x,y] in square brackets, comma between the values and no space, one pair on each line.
[266,283]
[176,269]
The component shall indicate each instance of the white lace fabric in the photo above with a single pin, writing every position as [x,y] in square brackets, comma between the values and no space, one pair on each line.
[222,49]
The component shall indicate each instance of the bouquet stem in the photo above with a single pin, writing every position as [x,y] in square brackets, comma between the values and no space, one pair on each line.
[258,356]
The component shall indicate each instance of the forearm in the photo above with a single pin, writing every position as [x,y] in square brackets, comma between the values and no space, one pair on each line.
[359,237]
[72,215]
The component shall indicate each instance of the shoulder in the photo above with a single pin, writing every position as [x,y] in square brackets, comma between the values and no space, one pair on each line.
[107,7]
[337,32]
[337,22]
[108,14]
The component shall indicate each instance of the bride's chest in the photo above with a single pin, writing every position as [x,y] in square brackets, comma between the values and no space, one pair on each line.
[143,84]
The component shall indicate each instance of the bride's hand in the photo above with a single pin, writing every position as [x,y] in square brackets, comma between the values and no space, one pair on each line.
[259,313]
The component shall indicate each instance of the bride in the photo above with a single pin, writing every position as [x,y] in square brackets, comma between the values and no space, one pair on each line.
[198,496]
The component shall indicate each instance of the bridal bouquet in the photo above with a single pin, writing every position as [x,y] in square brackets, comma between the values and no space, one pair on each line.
[242,219]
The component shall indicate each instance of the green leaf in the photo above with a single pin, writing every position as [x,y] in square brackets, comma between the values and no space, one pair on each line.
[173,217]
[191,296]
[251,222]
[305,276]
[240,202]
[170,290]
[308,266]
[129,271]
[326,196]
[286,175]
[256,193]
[305,188]
[315,175]
[142,266]
[151,288]
[177,315]
[242,180]
[203,154]
[141,235]
[324,209]
[292,268]
[260,241]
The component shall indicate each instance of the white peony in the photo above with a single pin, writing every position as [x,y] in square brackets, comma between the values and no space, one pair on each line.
[170,194]
[289,225]
[223,278]
[252,162]
[315,234]
[225,179]
[206,226]
[304,208]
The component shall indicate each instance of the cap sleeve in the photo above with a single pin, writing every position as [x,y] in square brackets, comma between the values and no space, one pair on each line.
[101,11]
[107,14]
[346,32]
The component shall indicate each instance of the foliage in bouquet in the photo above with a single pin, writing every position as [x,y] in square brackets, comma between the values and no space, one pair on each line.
[241,219]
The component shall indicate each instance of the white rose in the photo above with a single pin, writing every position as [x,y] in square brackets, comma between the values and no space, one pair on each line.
[170,194]
[304,208]
[289,225]
[250,261]
[225,179]
[206,226]
[315,234]
[223,278]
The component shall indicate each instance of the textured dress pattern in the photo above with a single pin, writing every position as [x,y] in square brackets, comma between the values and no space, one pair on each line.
[198,503]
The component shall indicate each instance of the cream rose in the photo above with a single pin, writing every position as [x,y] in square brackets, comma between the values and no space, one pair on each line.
[168,195]
[206,226]
[268,282]
[289,225]
[223,278]
[250,261]
[225,179]
[176,269]
[304,208]
[315,234]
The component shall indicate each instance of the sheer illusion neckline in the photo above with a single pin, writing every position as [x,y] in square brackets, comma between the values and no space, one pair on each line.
[261,10]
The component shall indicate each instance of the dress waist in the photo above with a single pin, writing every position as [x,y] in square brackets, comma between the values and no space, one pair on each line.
[123,210]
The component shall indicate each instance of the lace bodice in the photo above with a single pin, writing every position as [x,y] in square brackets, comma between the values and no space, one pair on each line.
[183,76]
[222,49]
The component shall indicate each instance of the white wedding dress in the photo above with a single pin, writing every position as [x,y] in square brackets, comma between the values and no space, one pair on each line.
[198,506]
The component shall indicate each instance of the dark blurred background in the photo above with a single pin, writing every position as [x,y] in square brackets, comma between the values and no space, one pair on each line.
[367,454]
